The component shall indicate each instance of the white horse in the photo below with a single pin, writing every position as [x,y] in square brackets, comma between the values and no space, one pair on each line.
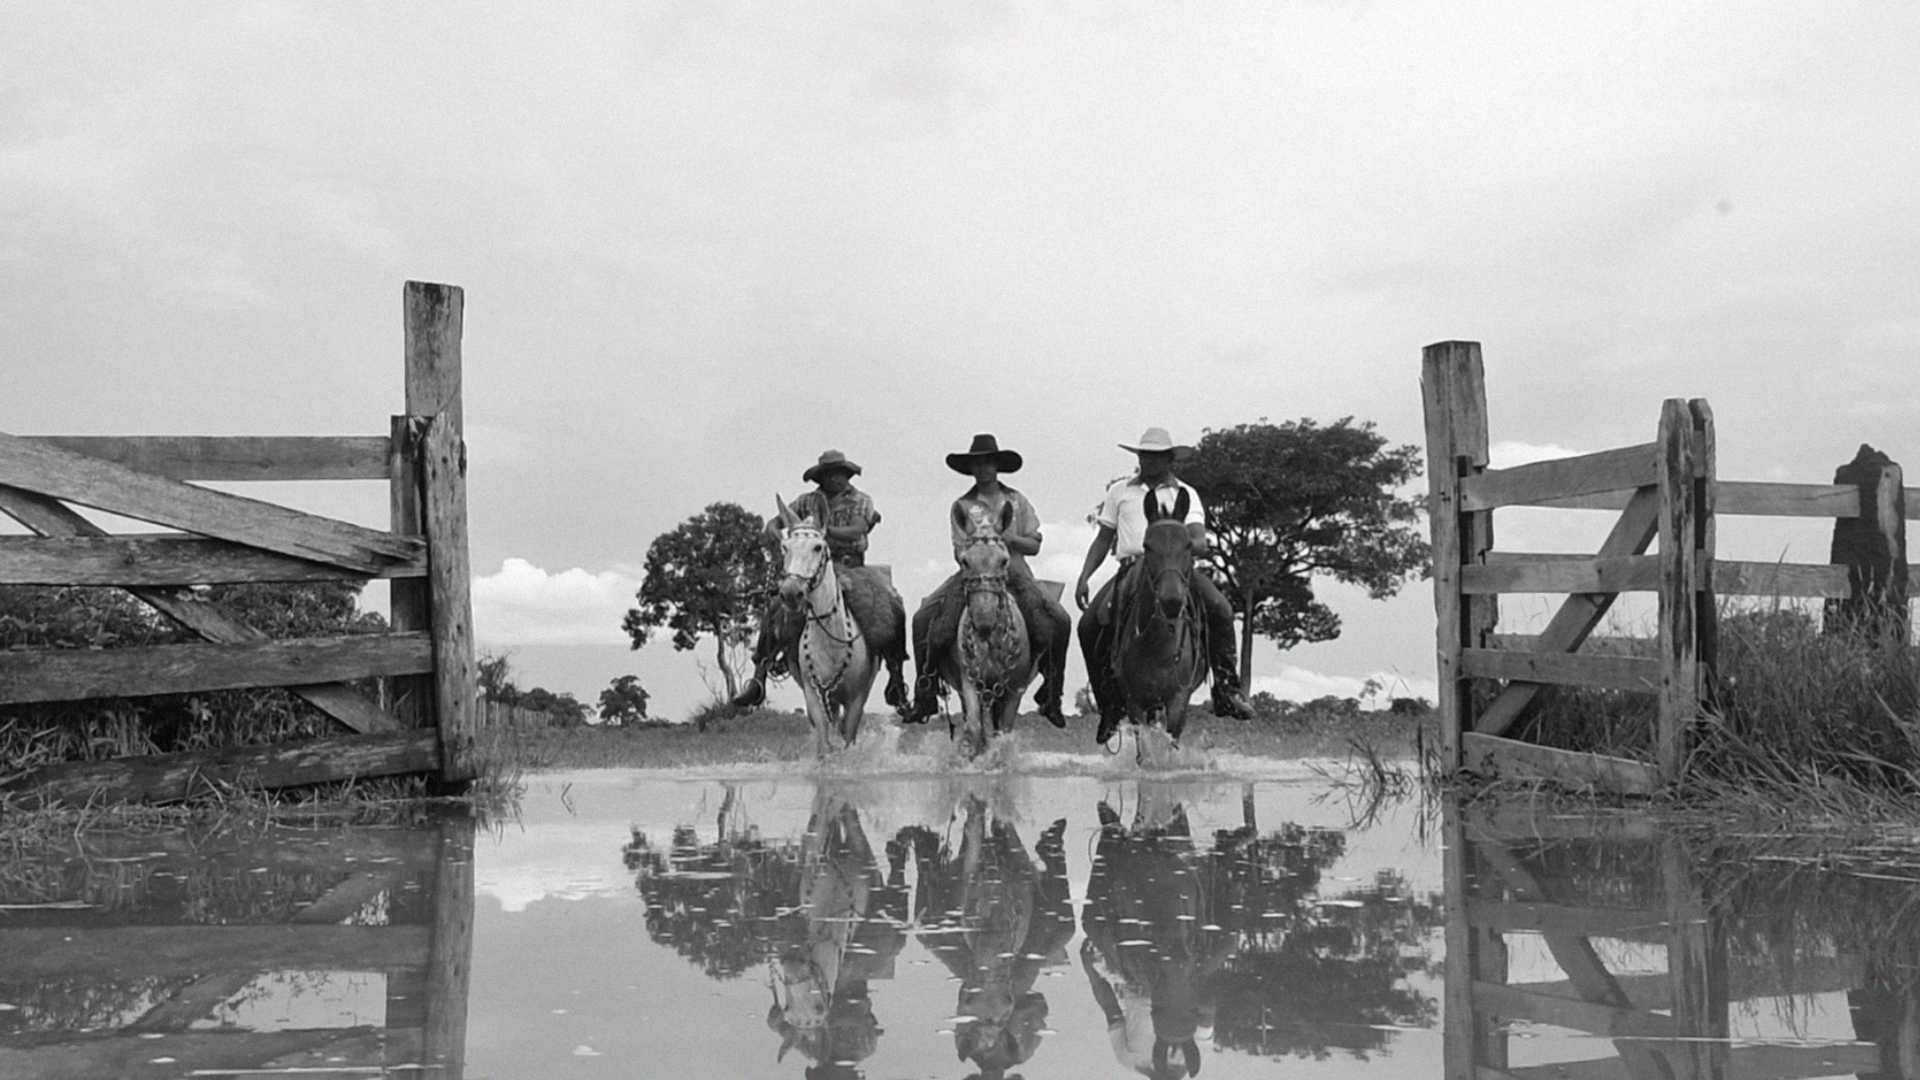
[991,662]
[834,663]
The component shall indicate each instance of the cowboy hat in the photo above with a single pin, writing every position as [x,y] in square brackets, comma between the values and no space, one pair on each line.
[1155,440]
[830,460]
[984,446]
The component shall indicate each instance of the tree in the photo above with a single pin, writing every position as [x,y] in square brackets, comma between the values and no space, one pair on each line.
[710,575]
[624,701]
[1289,501]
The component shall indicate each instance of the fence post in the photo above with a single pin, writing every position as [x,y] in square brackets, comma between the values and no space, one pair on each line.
[437,456]
[1706,619]
[1873,547]
[1679,697]
[1454,390]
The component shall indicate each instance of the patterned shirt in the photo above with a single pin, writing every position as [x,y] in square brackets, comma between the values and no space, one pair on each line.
[1124,510]
[850,509]
[980,512]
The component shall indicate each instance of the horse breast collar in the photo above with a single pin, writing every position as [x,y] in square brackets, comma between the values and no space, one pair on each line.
[1180,507]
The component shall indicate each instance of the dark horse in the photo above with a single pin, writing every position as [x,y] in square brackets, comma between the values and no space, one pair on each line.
[1158,633]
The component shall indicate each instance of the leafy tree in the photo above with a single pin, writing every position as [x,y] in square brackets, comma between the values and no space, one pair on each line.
[710,575]
[624,701]
[1289,501]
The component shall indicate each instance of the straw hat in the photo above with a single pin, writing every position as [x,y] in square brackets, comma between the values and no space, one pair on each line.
[830,460]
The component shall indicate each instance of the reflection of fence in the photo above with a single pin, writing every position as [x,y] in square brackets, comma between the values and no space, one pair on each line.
[427,658]
[385,902]
[1666,489]
[1672,1024]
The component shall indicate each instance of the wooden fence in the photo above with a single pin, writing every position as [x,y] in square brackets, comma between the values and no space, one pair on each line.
[1666,490]
[1638,886]
[327,905]
[422,722]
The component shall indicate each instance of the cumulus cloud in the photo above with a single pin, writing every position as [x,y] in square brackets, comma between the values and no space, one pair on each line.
[1507,454]
[1299,684]
[524,604]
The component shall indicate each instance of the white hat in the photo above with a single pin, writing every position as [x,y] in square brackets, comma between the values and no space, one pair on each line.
[1155,440]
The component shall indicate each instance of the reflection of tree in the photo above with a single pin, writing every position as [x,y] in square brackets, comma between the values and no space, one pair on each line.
[723,906]
[994,920]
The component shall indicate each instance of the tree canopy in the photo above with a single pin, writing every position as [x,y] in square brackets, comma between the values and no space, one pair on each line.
[1286,502]
[710,576]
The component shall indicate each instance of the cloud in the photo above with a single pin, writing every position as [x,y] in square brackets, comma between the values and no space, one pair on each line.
[1299,684]
[526,605]
[1506,454]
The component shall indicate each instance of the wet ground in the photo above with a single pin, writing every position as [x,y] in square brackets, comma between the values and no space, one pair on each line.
[892,918]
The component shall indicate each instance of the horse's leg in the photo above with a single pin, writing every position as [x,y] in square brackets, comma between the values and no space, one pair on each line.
[973,719]
[862,665]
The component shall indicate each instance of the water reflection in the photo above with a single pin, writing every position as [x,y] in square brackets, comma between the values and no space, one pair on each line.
[1684,953]
[265,950]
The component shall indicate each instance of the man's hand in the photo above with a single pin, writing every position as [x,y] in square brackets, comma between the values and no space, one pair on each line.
[1080,594]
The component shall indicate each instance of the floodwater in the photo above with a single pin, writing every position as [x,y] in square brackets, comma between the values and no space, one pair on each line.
[896,918]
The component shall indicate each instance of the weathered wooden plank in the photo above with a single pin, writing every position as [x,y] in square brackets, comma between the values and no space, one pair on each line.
[407,601]
[1453,390]
[1594,645]
[1580,612]
[1495,756]
[1626,468]
[210,1052]
[1608,1021]
[165,559]
[456,683]
[74,675]
[1749,1062]
[62,474]
[1533,917]
[1532,822]
[54,519]
[1630,673]
[171,777]
[236,457]
[321,851]
[1678,615]
[129,952]
[1563,574]
[1732,577]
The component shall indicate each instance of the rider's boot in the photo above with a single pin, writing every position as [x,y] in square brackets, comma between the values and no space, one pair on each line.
[1228,700]
[755,690]
[896,692]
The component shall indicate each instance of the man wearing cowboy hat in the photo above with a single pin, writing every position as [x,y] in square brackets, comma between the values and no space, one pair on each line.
[1151,494]
[990,504]
[846,514]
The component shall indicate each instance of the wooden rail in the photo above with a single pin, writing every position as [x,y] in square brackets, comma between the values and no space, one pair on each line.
[1665,490]
[426,660]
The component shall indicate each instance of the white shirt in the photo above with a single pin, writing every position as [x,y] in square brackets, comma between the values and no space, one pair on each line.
[1124,510]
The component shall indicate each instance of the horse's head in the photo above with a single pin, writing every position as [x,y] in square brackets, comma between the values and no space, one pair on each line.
[1167,566]
[803,552]
[983,559]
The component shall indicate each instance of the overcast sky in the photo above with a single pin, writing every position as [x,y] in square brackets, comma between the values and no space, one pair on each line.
[702,241]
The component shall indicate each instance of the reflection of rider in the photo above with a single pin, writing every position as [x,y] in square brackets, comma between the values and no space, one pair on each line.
[846,514]
[994,920]
[1150,950]
[936,625]
[1153,494]
[855,928]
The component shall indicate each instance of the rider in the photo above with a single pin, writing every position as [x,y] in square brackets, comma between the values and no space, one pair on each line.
[1151,494]
[846,514]
[936,625]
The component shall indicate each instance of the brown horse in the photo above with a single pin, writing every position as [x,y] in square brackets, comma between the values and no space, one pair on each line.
[990,664]
[1159,653]
[834,663]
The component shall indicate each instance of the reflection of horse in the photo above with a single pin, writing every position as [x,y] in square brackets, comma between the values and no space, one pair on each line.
[835,663]
[994,919]
[990,664]
[854,930]
[1151,947]
[1159,648]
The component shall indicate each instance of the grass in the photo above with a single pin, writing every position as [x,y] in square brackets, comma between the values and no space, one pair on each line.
[764,736]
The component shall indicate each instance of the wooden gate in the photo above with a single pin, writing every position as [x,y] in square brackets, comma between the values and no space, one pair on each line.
[1666,490]
[426,722]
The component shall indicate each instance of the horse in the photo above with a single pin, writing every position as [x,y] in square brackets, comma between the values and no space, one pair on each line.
[1159,650]
[834,664]
[991,663]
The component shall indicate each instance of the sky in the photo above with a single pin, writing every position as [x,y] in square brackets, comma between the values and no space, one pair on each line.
[702,241]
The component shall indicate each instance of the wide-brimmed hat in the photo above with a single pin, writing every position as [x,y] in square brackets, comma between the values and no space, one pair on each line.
[829,461]
[1155,440]
[984,446]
